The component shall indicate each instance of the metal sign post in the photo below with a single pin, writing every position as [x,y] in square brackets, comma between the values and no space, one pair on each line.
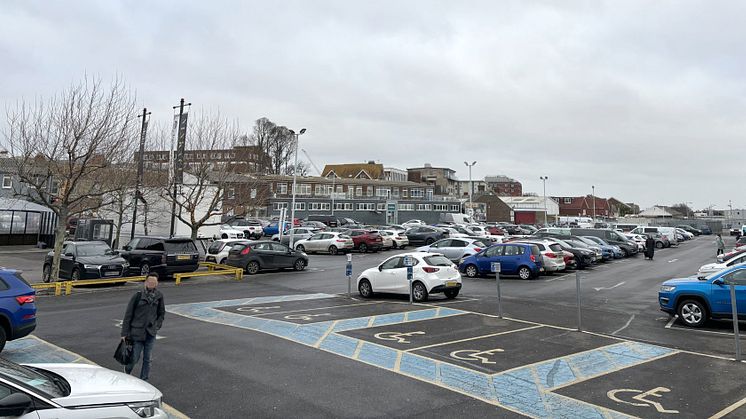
[408,262]
[577,290]
[348,272]
[734,307]
[495,267]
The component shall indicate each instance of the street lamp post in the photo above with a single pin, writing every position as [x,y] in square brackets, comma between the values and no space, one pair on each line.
[544,181]
[471,185]
[593,188]
[295,175]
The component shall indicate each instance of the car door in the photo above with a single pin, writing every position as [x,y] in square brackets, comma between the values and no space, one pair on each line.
[721,302]
[264,255]
[385,280]
[511,258]
[438,246]
[455,249]
[485,259]
[313,243]
[283,258]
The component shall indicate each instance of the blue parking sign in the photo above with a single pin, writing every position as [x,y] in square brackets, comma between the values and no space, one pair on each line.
[348,270]
[495,267]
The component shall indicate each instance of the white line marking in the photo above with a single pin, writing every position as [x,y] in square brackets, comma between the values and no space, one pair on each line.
[729,409]
[672,260]
[626,325]
[671,322]
[610,288]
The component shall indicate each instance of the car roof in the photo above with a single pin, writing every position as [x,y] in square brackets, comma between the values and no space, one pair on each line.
[85,242]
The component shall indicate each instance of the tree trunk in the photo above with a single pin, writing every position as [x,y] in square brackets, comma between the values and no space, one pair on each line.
[119,225]
[59,239]
[195,230]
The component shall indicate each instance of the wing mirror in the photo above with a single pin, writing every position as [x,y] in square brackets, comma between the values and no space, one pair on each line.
[16,404]
[70,255]
[718,281]
[380,268]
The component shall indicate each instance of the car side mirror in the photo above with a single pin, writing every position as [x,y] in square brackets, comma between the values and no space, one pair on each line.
[380,268]
[127,248]
[718,282]
[70,255]
[115,252]
[15,404]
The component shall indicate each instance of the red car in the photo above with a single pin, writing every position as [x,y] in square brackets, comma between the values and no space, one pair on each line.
[365,240]
[495,231]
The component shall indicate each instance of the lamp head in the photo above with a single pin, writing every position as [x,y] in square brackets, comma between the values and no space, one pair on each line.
[302,131]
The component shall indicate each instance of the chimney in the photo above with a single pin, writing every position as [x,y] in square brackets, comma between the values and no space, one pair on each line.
[371,162]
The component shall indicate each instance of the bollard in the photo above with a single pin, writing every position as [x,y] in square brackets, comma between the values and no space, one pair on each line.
[734,306]
[348,272]
[577,290]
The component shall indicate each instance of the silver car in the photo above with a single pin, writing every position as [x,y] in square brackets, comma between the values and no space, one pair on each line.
[455,249]
[298,233]
[551,254]
[331,242]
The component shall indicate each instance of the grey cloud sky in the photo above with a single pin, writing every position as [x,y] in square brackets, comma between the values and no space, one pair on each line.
[645,100]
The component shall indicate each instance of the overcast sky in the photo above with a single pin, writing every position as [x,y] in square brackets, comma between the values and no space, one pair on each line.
[644,100]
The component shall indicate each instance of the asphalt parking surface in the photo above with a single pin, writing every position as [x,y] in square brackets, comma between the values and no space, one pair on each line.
[229,348]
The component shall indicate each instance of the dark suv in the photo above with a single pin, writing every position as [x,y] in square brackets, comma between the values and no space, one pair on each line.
[365,240]
[424,235]
[86,260]
[160,255]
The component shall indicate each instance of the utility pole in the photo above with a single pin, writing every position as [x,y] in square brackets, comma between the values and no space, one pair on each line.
[295,175]
[178,160]
[140,164]
[471,185]
[593,188]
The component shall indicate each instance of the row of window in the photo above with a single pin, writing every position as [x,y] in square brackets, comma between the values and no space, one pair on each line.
[365,206]
[383,192]
[8,184]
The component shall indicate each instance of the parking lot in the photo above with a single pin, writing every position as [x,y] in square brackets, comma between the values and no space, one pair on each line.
[282,344]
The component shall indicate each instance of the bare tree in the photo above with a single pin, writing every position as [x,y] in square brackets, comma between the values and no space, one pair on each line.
[277,141]
[61,148]
[303,169]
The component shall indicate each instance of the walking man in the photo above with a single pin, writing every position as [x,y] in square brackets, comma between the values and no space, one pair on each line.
[721,245]
[142,320]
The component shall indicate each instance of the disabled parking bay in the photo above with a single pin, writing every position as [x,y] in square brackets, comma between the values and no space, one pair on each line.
[415,335]
[679,385]
[255,309]
[339,312]
[493,354]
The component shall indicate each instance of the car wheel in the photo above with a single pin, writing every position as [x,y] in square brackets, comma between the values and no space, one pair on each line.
[221,262]
[75,276]
[144,269]
[471,271]
[299,265]
[46,275]
[524,273]
[451,294]
[223,236]
[393,245]
[659,245]
[363,248]
[3,338]
[333,250]
[252,267]
[402,247]
[625,253]
[300,248]
[429,241]
[419,292]
[364,288]
[693,313]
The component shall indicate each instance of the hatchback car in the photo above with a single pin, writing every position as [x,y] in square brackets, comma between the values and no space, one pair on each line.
[456,249]
[696,300]
[161,256]
[399,240]
[218,250]
[74,391]
[431,273]
[331,242]
[298,233]
[17,306]
[366,240]
[426,235]
[553,257]
[520,259]
[711,268]
[86,260]
[256,256]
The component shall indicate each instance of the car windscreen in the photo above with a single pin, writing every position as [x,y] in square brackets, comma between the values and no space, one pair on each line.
[92,249]
[587,241]
[576,243]
[33,378]
[437,260]
[480,243]
[555,247]
[180,247]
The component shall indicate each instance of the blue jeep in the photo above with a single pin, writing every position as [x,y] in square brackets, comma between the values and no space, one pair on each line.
[17,308]
[697,300]
[520,259]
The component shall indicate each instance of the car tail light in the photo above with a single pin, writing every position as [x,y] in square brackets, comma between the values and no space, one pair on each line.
[533,258]
[430,270]
[341,241]
[246,250]
[477,249]
[550,255]
[24,299]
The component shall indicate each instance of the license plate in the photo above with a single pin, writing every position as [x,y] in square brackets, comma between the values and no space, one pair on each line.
[183,257]
[451,283]
[112,273]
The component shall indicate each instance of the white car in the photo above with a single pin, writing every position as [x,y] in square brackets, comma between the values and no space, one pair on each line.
[710,268]
[227,231]
[638,239]
[413,223]
[431,273]
[327,242]
[388,242]
[399,240]
[218,250]
[75,391]
[453,233]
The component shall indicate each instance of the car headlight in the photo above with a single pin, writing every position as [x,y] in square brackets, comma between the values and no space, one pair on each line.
[667,288]
[91,266]
[145,409]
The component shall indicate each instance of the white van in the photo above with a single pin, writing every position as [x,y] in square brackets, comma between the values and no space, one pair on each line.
[582,222]
[456,218]
[668,232]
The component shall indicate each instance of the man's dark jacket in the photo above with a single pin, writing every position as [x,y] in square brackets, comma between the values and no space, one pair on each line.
[143,317]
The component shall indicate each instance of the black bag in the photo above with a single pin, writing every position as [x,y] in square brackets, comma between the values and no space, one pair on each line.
[123,354]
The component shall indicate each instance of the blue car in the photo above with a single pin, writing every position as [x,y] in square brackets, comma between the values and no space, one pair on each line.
[519,259]
[697,300]
[17,308]
[273,228]
[609,250]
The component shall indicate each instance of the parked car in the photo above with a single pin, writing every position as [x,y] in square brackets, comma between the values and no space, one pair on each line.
[413,223]
[553,257]
[424,235]
[455,249]
[318,225]
[740,243]
[366,240]
[577,242]
[735,231]
[733,253]
[690,229]
[616,251]
[252,228]
[452,232]
[524,260]
[326,242]
[227,231]
[260,255]
[495,231]
[218,250]
[696,300]
[297,233]
[17,306]
[161,256]
[74,390]
[628,246]
[711,268]
[329,220]
[705,229]
[432,273]
[399,240]
[86,260]
[273,228]
[583,257]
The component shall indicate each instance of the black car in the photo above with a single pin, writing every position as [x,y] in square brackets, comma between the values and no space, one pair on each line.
[161,255]
[690,229]
[629,247]
[86,260]
[705,229]
[327,220]
[258,255]
[424,235]
[583,257]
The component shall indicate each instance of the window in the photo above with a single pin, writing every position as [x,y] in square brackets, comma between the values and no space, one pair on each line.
[231,193]
[304,189]
[383,192]
[54,188]
[340,189]
[381,206]
[253,193]
[339,206]
[279,205]
[494,251]
[404,192]
[429,194]
[567,200]
[282,188]
[395,192]
[318,190]
[738,277]
[348,206]
[440,207]
[300,206]
[423,207]
[417,193]
[359,191]
[7,182]
[369,190]
[514,250]
[406,207]
[319,206]
[455,208]
[393,263]
[366,206]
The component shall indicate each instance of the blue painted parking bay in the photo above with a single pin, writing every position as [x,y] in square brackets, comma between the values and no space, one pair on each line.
[535,370]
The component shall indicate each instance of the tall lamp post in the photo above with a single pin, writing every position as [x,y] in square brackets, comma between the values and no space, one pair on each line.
[295,173]
[471,185]
[593,196]
[544,181]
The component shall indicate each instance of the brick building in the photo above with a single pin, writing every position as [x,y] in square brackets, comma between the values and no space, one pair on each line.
[504,186]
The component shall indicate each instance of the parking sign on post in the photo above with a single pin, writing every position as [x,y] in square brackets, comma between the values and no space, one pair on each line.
[348,273]
[408,262]
[495,268]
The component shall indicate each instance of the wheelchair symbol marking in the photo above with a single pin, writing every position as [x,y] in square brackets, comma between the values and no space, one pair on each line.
[396,336]
[641,398]
[305,317]
[256,310]
[476,355]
